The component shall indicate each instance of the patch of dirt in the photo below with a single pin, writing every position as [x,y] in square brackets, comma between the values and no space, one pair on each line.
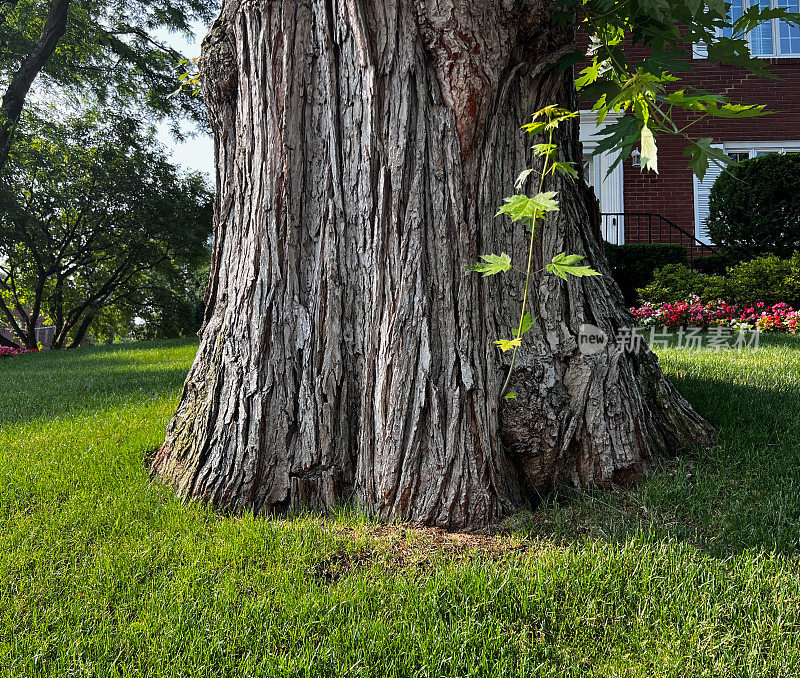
[339,565]
[411,547]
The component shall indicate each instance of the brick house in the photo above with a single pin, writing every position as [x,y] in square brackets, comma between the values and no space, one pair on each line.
[672,206]
[45,332]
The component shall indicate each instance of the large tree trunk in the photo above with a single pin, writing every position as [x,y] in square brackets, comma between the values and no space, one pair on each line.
[362,151]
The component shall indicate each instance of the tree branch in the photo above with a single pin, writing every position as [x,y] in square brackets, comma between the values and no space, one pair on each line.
[14,99]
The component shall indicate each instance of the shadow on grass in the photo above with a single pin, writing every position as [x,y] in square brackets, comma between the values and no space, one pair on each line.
[742,493]
[49,386]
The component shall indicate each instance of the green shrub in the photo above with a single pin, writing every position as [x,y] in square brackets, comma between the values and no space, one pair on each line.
[676,282]
[755,207]
[632,266]
[768,279]
[715,264]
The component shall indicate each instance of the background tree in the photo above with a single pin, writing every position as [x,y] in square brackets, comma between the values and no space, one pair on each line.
[110,51]
[174,309]
[92,216]
[168,304]
[363,150]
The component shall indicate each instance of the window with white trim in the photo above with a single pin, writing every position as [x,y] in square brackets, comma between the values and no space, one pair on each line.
[773,38]
[738,151]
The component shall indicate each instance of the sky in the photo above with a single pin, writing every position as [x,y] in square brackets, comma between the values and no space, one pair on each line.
[197,152]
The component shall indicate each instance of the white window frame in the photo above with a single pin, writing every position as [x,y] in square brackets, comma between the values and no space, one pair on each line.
[700,50]
[753,148]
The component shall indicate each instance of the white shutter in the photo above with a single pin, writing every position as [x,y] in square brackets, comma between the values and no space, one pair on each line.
[699,50]
[702,191]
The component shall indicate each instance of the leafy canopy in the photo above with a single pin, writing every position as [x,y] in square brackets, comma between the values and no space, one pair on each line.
[646,87]
[93,215]
[114,52]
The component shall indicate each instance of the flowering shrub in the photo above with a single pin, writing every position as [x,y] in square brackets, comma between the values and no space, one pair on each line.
[692,312]
[8,351]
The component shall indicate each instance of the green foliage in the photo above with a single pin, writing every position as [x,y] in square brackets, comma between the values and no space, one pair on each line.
[717,263]
[675,282]
[111,323]
[701,155]
[509,344]
[527,324]
[529,210]
[565,168]
[642,81]
[523,208]
[632,266]
[767,279]
[755,207]
[174,310]
[492,264]
[93,216]
[111,51]
[565,265]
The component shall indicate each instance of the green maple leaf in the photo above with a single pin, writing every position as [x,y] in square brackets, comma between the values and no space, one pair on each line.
[565,168]
[545,202]
[522,207]
[736,111]
[701,154]
[544,149]
[564,265]
[508,344]
[492,264]
[527,323]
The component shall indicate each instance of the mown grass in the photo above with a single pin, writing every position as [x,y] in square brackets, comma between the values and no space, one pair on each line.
[695,572]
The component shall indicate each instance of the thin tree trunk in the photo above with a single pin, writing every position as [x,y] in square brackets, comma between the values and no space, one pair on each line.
[35,311]
[362,150]
[12,322]
[14,98]
[80,334]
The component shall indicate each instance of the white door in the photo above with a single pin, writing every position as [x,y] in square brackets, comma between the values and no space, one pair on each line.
[608,187]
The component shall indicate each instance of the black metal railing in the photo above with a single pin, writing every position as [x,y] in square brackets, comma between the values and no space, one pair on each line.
[649,227]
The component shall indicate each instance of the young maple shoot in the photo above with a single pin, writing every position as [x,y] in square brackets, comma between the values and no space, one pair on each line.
[529,210]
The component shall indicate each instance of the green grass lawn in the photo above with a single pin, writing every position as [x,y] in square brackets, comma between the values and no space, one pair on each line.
[693,573]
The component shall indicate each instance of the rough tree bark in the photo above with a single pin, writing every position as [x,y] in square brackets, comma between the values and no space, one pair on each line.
[362,150]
